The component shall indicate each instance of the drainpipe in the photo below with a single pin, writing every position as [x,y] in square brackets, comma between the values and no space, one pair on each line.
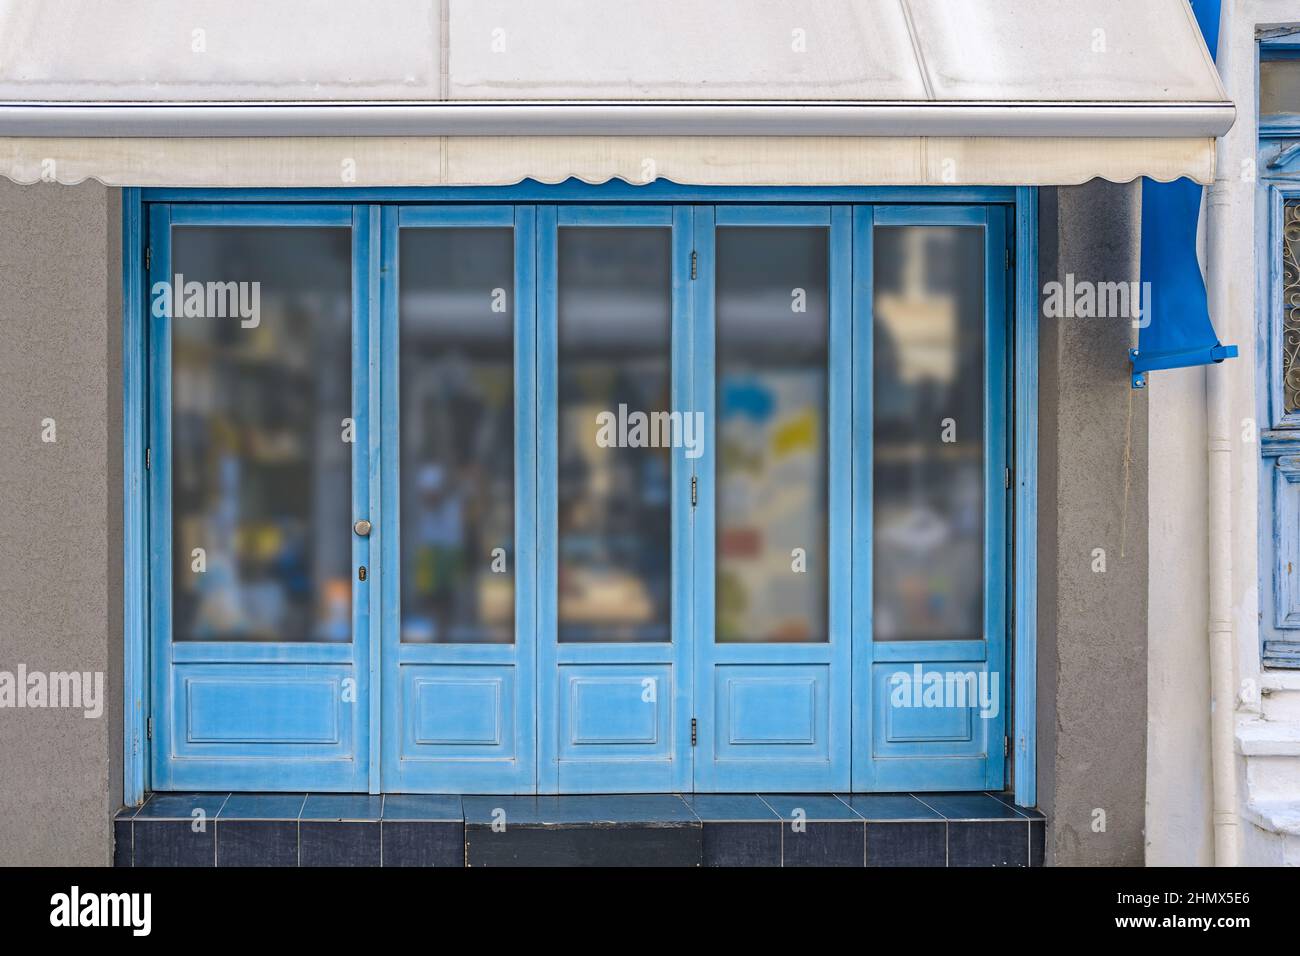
[1219,486]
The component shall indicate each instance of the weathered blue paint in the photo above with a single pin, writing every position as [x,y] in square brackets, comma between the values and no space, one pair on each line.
[458,718]
[135,512]
[931,748]
[775,717]
[230,714]
[1025,579]
[380,737]
[1278,182]
[611,717]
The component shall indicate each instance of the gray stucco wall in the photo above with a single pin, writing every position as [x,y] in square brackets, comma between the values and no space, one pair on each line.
[1092,672]
[60,540]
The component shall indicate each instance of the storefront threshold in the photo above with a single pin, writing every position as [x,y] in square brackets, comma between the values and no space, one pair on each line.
[243,829]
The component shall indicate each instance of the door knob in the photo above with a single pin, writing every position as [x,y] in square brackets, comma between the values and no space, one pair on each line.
[362,527]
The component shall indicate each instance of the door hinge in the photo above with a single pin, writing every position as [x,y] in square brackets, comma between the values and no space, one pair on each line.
[695,731]
[1006,478]
[148,728]
[148,258]
[1006,746]
[695,264]
[1010,257]
[148,459]
[695,491]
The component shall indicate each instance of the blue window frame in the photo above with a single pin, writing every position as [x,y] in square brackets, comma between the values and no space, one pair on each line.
[386,749]
[1278,363]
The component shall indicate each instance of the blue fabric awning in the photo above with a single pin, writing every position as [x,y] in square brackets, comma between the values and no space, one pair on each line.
[1178,331]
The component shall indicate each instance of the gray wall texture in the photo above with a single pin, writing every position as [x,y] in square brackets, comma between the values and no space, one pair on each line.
[1092,494]
[60,542]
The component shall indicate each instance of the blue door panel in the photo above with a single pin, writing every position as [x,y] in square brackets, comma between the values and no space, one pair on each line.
[615,711]
[777,707]
[458,710]
[267,709]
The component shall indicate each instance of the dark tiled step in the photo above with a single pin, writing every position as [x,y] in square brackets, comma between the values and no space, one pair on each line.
[246,829]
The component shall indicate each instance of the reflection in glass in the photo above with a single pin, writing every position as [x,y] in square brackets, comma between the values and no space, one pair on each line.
[261,473]
[772,329]
[1279,87]
[928,464]
[615,319]
[457,444]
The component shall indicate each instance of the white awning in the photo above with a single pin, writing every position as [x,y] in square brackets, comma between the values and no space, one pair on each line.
[488,92]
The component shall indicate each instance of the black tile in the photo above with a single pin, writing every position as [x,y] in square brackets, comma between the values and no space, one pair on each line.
[1010,800]
[263,806]
[423,843]
[579,809]
[907,844]
[174,843]
[257,842]
[338,843]
[630,844]
[182,806]
[122,842]
[422,806]
[988,843]
[741,844]
[969,806]
[810,806]
[822,844]
[890,806]
[342,806]
[729,807]
[1037,842]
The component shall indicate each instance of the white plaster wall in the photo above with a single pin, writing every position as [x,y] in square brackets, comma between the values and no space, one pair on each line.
[1178,831]
[1177,626]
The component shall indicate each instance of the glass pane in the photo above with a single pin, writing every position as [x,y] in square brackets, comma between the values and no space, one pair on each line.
[1291,307]
[928,468]
[458,435]
[773,319]
[261,459]
[615,514]
[1279,87]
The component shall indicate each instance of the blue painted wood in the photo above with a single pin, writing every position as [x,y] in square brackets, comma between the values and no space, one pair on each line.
[234,214]
[775,717]
[640,693]
[227,652]
[547,498]
[367,474]
[614,215]
[456,216]
[799,669]
[772,215]
[660,191]
[1279,500]
[1025,585]
[387,504]
[240,715]
[158,336]
[460,718]
[135,528]
[919,746]
[864,648]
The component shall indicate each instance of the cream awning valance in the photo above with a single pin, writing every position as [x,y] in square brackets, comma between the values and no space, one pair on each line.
[488,92]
